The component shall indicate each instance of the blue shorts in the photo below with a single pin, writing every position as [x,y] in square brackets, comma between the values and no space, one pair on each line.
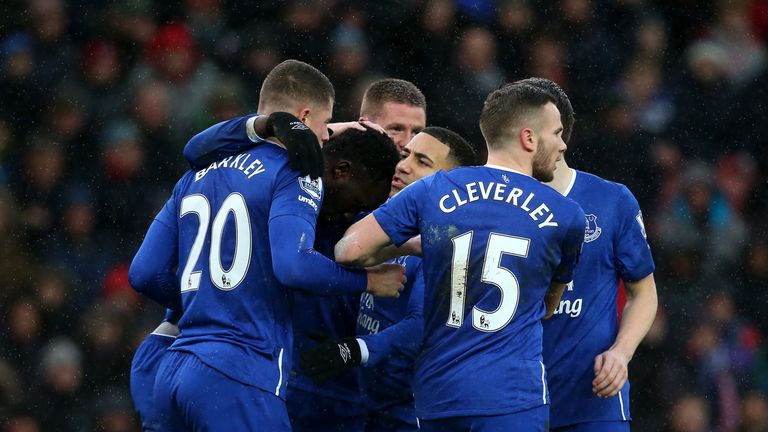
[143,371]
[531,420]
[604,426]
[313,413]
[385,421]
[191,396]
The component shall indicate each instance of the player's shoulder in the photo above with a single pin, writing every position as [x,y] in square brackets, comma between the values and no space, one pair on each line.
[596,182]
[595,185]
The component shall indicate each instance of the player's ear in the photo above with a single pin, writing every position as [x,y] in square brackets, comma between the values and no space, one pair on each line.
[342,170]
[528,139]
[303,114]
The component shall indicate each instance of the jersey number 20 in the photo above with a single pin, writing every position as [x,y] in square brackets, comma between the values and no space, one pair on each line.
[224,279]
[493,273]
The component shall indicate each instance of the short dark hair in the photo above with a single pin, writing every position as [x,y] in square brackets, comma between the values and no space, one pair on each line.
[371,151]
[391,90]
[459,150]
[562,102]
[292,82]
[507,107]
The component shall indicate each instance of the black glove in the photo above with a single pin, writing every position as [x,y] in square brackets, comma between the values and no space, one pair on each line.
[330,358]
[304,153]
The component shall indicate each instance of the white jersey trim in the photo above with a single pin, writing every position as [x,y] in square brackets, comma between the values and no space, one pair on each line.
[621,404]
[571,183]
[280,371]
[505,169]
[544,385]
[163,335]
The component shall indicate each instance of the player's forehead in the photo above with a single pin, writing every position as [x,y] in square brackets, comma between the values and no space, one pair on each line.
[425,144]
[401,113]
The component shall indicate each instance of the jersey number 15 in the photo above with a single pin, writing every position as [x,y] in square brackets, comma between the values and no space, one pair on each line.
[493,273]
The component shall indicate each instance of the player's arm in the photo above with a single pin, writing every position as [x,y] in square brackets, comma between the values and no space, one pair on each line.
[292,218]
[411,247]
[570,253]
[552,297]
[395,222]
[611,366]
[635,264]
[362,243]
[402,337]
[239,134]
[297,264]
[333,357]
[152,270]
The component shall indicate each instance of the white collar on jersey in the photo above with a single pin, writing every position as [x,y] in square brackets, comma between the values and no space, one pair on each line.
[505,169]
[571,183]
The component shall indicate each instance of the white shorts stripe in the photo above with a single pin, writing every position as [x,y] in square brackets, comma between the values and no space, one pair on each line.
[544,385]
[621,404]
[280,370]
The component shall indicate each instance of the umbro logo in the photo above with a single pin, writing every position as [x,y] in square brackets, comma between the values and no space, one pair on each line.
[344,352]
[297,125]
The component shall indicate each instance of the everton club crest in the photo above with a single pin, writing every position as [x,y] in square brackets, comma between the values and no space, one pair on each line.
[592,231]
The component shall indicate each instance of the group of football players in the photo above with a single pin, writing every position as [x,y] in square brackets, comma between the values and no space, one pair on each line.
[393,278]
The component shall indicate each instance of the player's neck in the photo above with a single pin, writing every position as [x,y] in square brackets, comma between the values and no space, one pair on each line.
[563,176]
[505,160]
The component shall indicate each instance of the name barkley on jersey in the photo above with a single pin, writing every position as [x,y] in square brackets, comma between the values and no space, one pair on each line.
[494,191]
[239,162]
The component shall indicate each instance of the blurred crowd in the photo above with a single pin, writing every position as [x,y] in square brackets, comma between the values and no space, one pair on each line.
[98,97]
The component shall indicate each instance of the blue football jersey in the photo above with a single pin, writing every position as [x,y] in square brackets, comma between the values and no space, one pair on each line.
[237,315]
[326,316]
[585,323]
[392,330]
[493,241]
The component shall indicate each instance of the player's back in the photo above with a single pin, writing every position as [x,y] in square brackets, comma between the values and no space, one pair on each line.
[237,316]
[493,241]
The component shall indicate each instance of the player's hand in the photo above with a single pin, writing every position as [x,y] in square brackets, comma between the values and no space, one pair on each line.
[610,373]
[386,280]
[336,128]
[330,357]
[304,153]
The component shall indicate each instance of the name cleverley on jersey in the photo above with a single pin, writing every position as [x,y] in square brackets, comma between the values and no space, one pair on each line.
[493,191]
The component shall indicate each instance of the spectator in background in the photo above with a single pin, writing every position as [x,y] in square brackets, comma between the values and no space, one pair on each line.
[701,218]
[702,97]
[102,80]
[54,294]
[731,31]
[173,56]
[103,334]
[458,97]
[42,182]
[515,24]
[16,257]
[643,89]
[128,183]
[24,338]
[55,52]
[433,49]
[754,413]
[689,414]
[76,248]
[61,400]
[151,111]
[20,94]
